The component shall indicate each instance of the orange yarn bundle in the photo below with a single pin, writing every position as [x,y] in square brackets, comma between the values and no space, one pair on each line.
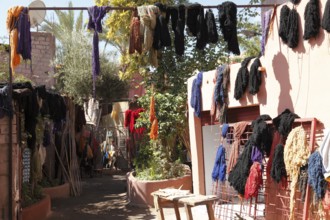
[153,120]
[12,16]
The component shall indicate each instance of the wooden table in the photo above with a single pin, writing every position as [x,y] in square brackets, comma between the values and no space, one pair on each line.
[176,197]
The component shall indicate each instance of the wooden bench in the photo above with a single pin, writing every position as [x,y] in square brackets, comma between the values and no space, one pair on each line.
[184,197]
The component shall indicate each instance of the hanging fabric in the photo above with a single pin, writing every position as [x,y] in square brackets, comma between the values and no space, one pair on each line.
[228,25]
[212,32]
[325,154]
[315,175]
[135,42]
[255,77]
[219,167]
[326,17]
[196,94]
[11,23]
[265,23]
[312,19]
[242,79]
[92,111]
[296,155]
[6,108]
[24,35]
[239,129]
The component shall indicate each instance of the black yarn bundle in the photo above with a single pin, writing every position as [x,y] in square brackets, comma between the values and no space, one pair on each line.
[302,181]
[312,19]
[293,29]
[326,17]
[284,17]
[201,31]
[240,172]
[283,122]
[192,14]
[212,33]
[162,37]
[278,166]
[255,77]
[177,14]
[262,136]
[242,79]
[295,1]
[228,25]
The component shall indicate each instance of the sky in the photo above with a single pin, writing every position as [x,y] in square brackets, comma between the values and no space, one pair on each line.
[6,4]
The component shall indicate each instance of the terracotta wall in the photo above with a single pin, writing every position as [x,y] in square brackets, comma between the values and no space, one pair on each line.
[4,170]
[295,78]
[43,53]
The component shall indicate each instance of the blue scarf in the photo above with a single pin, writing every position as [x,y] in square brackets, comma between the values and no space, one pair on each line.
[315,175]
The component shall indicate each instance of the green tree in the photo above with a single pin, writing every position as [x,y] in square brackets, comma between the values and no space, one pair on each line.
[74,61]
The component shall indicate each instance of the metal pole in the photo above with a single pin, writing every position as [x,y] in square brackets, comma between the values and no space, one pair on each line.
[10,147]
[133,8]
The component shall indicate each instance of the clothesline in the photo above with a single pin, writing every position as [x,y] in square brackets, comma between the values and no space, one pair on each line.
[133,8]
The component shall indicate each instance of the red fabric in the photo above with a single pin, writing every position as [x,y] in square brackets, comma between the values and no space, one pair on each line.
[127,118]
[135,114]
[254,181]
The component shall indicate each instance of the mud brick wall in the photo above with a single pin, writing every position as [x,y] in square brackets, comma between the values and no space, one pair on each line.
[43,53]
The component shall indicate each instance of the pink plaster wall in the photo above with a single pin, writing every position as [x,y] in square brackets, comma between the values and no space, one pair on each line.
[297,79]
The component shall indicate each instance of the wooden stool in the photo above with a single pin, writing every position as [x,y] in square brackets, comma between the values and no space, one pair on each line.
[161,198]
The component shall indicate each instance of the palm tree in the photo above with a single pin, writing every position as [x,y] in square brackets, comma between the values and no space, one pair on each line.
[66,24]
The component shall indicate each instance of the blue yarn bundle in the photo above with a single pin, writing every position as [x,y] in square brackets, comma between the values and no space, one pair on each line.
[196,94]
[24,35]
[315,175]
[219,168]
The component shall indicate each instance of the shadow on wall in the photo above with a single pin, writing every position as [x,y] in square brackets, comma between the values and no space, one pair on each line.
[281,72]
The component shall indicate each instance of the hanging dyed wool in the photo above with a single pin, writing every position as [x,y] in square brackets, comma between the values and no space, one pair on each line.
[315,175]
[212,33]
[219,167]
[278,171]
[239,129]
[262,135]
[325,152]
[201,31]
[255,77]
[293,29]
[178,14]
[296,155]
[135,42]
[162,37]
[228,25]
[265,28]
[283,122]
[153,120]
[302,181]
[295,1]
[24,35]
[326,17]
[192,14]
[284,17]
[196,94]
[240,172]
[242,79]
[254,181]
[12,17]
[276,141]
[312,19]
